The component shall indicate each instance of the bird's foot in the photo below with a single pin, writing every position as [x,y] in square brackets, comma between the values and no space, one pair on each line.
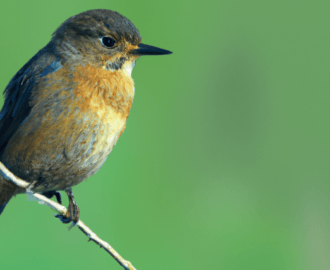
[73,210]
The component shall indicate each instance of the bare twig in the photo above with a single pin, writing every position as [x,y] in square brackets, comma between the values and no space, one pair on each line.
[61,209]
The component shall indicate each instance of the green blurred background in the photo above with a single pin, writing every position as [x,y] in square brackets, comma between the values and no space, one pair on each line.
[225,160]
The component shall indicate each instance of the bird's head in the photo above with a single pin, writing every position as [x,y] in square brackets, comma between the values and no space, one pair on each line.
[103,38]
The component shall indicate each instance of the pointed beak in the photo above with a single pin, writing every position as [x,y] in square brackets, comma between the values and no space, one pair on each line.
[149,50]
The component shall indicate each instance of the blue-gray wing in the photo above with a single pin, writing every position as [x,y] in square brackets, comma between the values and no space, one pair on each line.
[18,93]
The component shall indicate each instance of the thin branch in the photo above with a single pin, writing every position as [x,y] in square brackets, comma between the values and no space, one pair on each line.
[61,209]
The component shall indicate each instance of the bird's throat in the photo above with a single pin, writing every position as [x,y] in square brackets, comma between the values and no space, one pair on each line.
[100,89]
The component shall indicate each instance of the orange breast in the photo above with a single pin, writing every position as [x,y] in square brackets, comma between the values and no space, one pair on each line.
[77,117]
[100,90]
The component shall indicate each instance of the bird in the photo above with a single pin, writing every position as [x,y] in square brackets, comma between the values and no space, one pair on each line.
[66,108]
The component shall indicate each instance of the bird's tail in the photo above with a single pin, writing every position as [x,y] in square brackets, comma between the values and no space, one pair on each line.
[7,190]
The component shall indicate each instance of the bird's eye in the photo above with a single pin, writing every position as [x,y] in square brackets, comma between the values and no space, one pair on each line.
[108,41]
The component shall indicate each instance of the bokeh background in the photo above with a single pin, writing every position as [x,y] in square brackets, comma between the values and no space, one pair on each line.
[225,160]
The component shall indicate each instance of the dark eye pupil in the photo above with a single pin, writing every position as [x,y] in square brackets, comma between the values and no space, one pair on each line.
[108,42]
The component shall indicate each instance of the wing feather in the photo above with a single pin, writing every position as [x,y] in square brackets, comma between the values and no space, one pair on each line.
[18,92]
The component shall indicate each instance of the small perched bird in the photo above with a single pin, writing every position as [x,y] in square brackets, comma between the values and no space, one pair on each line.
[66,108]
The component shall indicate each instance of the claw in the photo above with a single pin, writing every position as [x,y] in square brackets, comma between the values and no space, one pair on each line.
[63,218]
[73,210]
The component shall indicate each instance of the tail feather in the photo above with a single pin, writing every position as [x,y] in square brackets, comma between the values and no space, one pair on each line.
[2,207]
[7,190]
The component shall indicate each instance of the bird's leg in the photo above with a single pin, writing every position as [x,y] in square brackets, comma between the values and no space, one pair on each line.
[73,210]
[52,193]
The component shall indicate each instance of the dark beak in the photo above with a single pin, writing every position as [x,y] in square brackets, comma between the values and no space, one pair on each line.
[149,50]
